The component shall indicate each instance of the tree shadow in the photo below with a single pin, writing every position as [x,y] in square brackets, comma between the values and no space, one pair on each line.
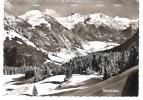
[19,79]
[18,83]
[9,82]
[27,95]
[9,89]
[53,82]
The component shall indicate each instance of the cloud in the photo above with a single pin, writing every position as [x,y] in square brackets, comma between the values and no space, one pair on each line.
[51,12]
[7,5]
[117,5]
[74,5]
[100,5]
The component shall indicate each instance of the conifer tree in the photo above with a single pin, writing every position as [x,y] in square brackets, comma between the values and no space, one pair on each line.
[34,92]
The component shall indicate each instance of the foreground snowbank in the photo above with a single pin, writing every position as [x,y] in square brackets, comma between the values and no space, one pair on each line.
[45,87]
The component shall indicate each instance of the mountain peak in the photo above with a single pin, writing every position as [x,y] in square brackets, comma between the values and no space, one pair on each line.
[35,18]
[33,13]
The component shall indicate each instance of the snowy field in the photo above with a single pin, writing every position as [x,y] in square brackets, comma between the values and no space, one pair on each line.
[45,87]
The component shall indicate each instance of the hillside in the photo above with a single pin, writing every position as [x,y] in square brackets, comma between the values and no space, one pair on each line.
[115,86]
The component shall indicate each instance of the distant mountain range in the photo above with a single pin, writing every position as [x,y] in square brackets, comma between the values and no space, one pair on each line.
[100,27]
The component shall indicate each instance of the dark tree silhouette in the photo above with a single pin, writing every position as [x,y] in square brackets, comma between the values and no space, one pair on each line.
[34,92]
[94,64]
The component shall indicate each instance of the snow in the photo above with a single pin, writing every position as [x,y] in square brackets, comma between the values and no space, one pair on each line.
[46,86]
[55,58]
[93,46]
[10,19]
[115,23]
[57,78]
[62,56]
[97,19]
[7,78]
[11,34]
[35,18]
[70,21]
[19,42]
[77,79]
[47,61]
[64,90]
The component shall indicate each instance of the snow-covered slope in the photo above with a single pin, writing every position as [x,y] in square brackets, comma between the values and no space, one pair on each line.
[12,34]
[83,85]
[45,87]
[94,46]
[88,47]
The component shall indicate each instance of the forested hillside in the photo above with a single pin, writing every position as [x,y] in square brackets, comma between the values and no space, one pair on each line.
[109,62]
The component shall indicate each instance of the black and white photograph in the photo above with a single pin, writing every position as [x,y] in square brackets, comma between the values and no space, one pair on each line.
[74,48]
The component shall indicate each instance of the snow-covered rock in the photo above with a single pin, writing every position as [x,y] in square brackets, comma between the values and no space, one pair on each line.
[13,34]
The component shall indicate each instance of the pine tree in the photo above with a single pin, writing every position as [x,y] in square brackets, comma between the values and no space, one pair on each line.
[34,92]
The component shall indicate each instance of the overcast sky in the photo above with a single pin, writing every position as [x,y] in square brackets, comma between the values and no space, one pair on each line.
[123,8]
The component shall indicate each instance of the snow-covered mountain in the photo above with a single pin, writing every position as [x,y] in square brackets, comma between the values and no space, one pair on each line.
[97,19]
[100,27]
[35,18]
[44,31]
